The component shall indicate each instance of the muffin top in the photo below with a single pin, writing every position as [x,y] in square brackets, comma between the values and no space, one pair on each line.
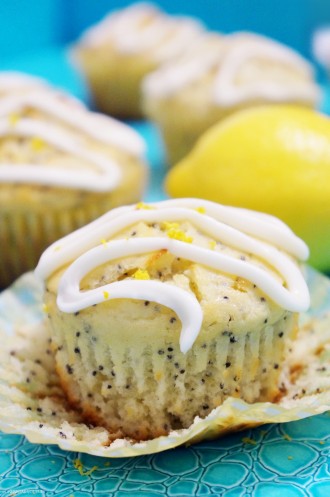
[50,138]
[143,28]
[235,69]
[196,257]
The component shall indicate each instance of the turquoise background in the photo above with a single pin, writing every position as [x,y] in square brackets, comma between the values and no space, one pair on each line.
[28,25]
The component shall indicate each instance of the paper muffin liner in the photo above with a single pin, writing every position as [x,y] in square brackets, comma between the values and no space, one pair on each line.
[32,403]
[98,67]
[26,234]
[181,129]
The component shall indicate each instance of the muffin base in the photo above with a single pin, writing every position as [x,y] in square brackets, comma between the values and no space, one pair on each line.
[114,79]
[181,124]
[144,388]
[32,218]
[39,411]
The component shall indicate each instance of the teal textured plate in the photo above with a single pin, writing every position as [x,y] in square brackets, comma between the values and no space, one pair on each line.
[287,460]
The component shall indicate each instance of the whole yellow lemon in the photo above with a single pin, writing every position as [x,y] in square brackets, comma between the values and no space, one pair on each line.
[274,159]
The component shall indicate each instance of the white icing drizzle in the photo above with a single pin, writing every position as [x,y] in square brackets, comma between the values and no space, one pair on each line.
[102,128]
[227,93]
[142,27]
[106,177]
[227,58]
[264,236]
[203,54]
[15,81]
[105,174]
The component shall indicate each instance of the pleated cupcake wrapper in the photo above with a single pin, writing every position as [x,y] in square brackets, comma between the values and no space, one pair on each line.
[32,403]
[26,234]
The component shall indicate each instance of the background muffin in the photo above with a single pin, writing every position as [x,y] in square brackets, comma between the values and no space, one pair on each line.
[60,167]
[160,312]
[218,76]
[116,54]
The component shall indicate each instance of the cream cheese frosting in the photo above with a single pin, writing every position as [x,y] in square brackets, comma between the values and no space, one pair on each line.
[263,236]
[226,56]
[65,124]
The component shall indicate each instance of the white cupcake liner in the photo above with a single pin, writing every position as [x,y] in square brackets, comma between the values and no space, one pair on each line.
[32,403]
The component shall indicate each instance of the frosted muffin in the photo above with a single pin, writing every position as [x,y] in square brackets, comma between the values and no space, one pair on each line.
[60,167]
[160,312]
[218,76]
[117,53]
[15,82]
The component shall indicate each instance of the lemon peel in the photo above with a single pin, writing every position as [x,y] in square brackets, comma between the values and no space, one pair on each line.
[212,244]
[45,308]
[250,441]
[168,226]
[141,274]
[180,235]
[13,119]
[37,144]
[79,466]
[142,205]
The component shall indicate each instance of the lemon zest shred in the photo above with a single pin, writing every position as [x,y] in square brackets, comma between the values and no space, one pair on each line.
[90,471]
[212,244]
[105,294]
[201,210]
[173,231]
[247,440]
[104,242]
[130,411]
[169,226]
[45,308]
[13,119]
[37,144]
[142,205]
[141,274]
[79,466]
[179,235]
